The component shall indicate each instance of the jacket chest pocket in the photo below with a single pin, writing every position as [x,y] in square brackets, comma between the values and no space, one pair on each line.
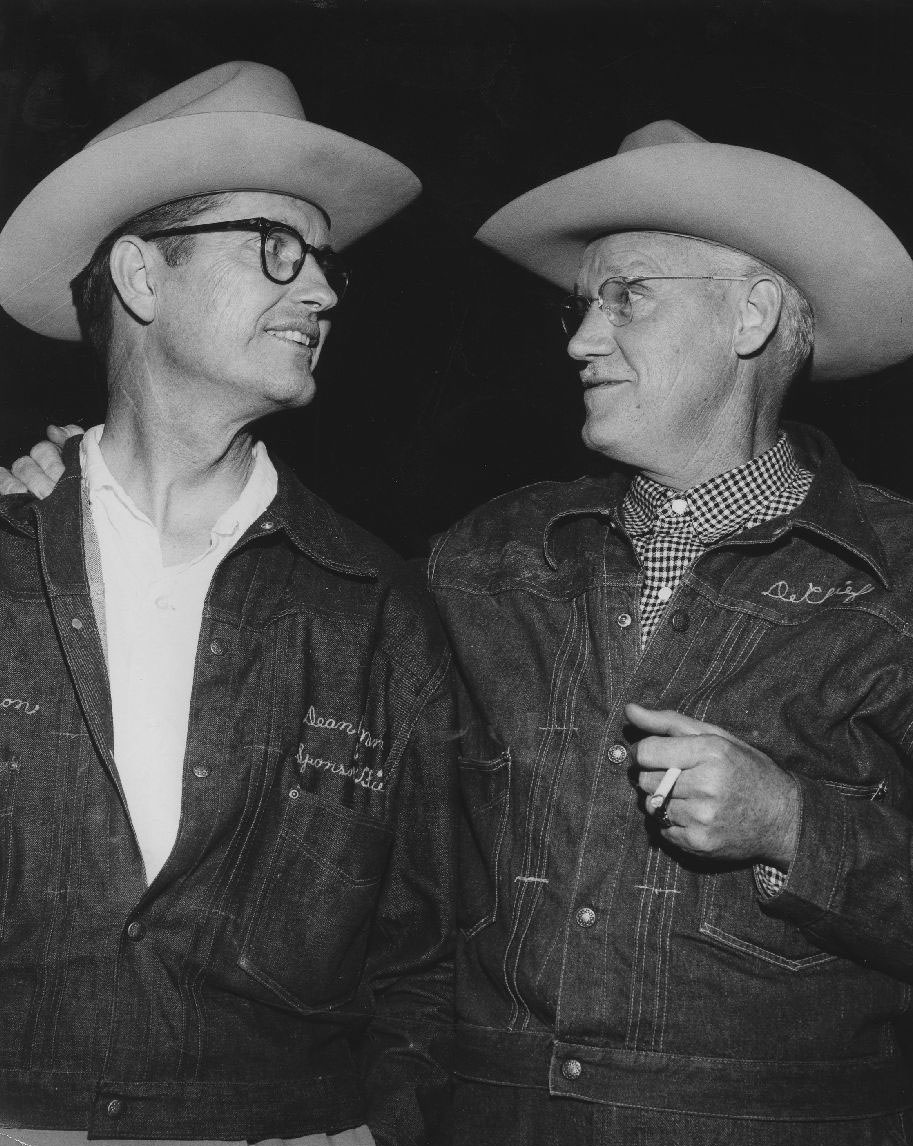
[731,917]
[308,934]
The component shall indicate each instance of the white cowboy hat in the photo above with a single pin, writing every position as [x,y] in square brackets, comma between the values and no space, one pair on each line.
[239,126]
[852,268]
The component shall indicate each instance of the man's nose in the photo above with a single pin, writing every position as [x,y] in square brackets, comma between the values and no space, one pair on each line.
[593,338]
[311,288]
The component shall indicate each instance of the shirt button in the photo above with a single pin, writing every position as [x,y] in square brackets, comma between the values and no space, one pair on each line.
[679,505]
[571,1068]
[585,916]
[162,603]
[216,647]
[665,592]
[294,793]
[618,754]
[114,1107]
[623,620]
[135,931]
[200,771]
[76,623]
[680,620]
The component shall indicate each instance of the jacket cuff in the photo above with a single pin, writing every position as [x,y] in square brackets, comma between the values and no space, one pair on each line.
[816,872]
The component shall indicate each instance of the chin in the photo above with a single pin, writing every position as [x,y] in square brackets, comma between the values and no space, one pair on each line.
[598,436]
[292,392]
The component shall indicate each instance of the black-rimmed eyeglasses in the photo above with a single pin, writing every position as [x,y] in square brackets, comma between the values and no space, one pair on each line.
[614,298]
[282,250]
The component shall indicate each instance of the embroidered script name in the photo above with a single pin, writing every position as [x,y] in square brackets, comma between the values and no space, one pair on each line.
[364,777]
[314,720]
[11,702]
[816,594]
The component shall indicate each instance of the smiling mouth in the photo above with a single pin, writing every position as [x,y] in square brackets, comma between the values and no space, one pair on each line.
[298,337]
[595,383]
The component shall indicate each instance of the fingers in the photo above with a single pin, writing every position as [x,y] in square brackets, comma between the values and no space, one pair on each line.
[32,476]
[658,753]
[43,468]
[10,484]
[667,722]
[47,455]
[59,434]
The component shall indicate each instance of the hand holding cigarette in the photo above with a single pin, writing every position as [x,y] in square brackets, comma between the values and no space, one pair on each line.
[711,793]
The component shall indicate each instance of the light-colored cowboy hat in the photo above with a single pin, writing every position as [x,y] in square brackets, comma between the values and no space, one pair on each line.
[239,126]
[852,268]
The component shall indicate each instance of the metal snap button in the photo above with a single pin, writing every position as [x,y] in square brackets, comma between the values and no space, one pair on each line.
[114,1107]
[200,771]
[216,647]
[618,754]
[571,1068]
[135,931]
[585,916]
[267,525]
[294,793]
[680,620]
[623,620]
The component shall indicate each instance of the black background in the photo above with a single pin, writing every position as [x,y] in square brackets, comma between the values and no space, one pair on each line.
[446,380]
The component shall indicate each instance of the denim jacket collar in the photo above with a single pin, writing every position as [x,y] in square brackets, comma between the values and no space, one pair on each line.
[832,508]
[306,519]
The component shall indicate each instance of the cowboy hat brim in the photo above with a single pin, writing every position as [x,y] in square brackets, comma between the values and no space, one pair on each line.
[853,269]
[54,232]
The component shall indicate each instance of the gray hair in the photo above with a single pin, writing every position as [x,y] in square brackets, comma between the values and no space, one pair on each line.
[794,337]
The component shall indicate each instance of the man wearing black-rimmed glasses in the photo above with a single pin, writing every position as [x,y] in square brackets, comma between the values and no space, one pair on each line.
[225,787]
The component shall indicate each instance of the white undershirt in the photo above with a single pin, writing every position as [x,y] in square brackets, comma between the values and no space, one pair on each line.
[152,616]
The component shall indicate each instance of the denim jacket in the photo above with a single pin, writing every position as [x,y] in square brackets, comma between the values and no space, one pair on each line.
[599,962]
[289,969]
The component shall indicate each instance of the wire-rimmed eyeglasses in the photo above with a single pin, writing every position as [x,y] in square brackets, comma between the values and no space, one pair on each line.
[615,301]
[282,250]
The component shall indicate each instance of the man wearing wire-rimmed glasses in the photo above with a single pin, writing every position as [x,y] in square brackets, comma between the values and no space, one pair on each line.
[686,884]
[226,810]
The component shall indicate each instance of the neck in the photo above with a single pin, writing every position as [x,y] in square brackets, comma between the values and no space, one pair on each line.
[691,469]
[183,472]
[738,432]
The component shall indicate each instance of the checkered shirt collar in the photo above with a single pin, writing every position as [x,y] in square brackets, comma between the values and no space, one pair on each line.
[720,504]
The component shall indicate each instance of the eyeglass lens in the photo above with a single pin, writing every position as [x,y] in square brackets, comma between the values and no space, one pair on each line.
[283,255]
[614,300]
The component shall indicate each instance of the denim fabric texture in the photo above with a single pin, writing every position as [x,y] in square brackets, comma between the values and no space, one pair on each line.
[596,963]
[487,1115]
[289,970]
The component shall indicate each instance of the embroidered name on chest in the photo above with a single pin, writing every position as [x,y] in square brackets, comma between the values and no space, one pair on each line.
[313,719]
[17,704]
[361,774]
[812,594]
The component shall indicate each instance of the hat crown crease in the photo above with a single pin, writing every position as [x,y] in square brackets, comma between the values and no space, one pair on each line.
[238,87]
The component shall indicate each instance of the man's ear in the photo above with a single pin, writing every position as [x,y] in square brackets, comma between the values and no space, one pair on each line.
[133,278]
[759,313]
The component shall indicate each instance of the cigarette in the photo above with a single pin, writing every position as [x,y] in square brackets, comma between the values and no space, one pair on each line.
[665,787]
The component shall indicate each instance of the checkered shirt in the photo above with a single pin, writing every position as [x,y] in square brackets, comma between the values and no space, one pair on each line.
[671,528]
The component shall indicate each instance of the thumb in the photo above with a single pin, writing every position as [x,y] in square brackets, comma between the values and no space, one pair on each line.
[667,722]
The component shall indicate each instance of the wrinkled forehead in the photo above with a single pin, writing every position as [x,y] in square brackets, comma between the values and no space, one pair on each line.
[630,253]
[308,218]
